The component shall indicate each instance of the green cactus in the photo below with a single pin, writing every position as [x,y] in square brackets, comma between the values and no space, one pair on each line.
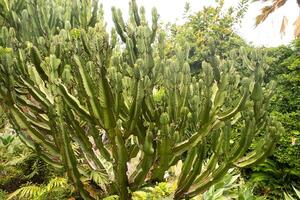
[64,81]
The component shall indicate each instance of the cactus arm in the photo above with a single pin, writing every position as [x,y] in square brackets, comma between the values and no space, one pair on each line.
[121,159]
[241,147]
[195,138]
[21,120]
[93,19]
[74,103]
[163,148]
[84,43]
[134,10]
[88,88]
[188,163]
[24,102]
[237,108]
[154,24]
[211,166]
[135,107]
[185,185]
[214,178]
[81,138]
[70,162]
[37,94]
[106,100]
[37,61]
[119,28]
[261,151]
[146,162]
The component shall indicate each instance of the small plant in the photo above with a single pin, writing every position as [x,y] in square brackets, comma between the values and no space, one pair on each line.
[7,139]
[56,189]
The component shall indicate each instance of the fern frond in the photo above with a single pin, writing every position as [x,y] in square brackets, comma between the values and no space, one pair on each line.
[29,192]
[57,182]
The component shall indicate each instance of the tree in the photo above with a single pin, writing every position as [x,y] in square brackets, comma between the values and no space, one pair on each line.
[65,84]
[210,32]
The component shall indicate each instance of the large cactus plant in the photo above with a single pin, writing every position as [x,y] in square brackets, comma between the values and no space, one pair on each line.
[65,82]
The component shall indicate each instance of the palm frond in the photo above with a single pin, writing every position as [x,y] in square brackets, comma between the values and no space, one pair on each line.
[267,10]
[284,24]
[297,27]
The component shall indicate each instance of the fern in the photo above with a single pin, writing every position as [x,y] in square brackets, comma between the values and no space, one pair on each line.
[30,192]
[55,183]
[35,192]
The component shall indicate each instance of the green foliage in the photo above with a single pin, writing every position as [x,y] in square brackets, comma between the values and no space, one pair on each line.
[6,139]
[211,32]
[162,190]
[19,164]
[275,177]
[284,68]
[66,84]
[2,195]
[56,189]
[272,179]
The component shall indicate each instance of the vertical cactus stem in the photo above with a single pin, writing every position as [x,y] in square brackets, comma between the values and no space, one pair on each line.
[188,163]
[83,141]
[163,147]
[118,24]
[134,10]
[154,24]
[214,178]
[94,16]
[145,163]
[121,159]
[37,60]
[88,86]
[184,186]
[70,162]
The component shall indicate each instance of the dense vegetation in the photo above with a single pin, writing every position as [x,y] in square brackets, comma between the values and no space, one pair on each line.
[143,112]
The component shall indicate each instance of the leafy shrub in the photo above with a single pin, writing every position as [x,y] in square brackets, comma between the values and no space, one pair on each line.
[272,179]
[285,69]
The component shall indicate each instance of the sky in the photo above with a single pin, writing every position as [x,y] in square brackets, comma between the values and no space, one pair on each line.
[266,34]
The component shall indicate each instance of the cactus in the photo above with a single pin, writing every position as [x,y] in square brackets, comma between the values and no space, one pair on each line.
[67,82]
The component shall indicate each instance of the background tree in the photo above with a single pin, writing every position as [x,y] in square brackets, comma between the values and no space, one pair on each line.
[210,32]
